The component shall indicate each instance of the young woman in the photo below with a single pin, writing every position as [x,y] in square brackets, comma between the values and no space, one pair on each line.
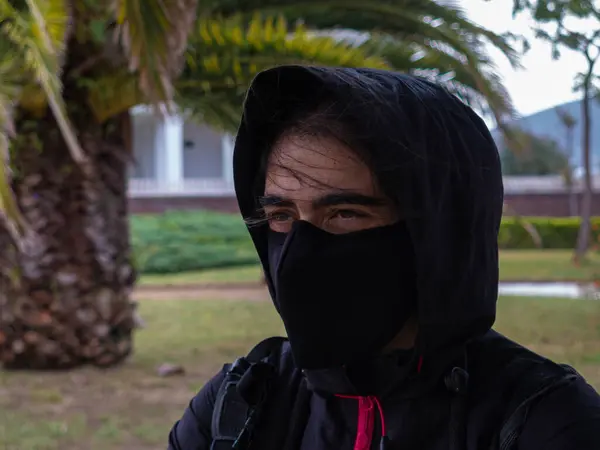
[374,201]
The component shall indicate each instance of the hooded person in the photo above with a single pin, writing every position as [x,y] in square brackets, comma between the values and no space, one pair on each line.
[374,201]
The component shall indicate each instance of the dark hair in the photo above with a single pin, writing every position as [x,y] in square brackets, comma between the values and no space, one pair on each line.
[328,119]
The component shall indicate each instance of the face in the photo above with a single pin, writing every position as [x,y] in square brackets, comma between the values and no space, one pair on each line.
[320,180]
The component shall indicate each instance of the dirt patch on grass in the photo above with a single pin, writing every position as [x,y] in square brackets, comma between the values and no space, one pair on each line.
[254,292]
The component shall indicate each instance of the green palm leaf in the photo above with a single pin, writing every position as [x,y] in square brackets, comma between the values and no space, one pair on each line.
[434,26]
[224,55]
[476,82]
[402,18]
[9,93]
[154,36]
[112,94]
[39,34]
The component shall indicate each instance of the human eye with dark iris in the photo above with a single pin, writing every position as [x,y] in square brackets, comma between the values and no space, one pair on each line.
[349,214]
[278,216]
[279,220]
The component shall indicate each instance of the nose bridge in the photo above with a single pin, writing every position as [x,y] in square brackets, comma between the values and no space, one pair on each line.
[307,212]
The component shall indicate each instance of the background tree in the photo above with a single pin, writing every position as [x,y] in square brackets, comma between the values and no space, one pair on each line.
[559,23]
[71,71]
[538,156]
[568,122]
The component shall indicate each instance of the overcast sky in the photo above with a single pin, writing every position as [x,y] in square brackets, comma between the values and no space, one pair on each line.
[542,83]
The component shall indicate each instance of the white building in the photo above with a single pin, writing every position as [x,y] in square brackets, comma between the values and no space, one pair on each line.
[175,157]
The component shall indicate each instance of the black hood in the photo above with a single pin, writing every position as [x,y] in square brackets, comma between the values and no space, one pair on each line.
[442,166]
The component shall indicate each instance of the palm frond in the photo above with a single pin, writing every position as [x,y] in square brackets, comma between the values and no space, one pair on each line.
[109,95]
[41,45]
[10,86]
[431,24]
[224,55]
[474,80]
[401,18]
[154,35]
[10,76]
[453,15]
[51,25]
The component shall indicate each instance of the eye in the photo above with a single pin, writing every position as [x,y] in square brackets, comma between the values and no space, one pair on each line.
[278,216]
[346,220]
[346,214]
[280,220]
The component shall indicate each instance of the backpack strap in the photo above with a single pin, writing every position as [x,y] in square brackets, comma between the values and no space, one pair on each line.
[535,383]
[233,418]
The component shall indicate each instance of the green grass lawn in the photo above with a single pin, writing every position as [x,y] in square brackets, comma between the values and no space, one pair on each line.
[131,408]
[546,265]
[515,265]
[240,274]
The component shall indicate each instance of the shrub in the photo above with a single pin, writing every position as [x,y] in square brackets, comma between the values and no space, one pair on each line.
[556,232]
[186,241]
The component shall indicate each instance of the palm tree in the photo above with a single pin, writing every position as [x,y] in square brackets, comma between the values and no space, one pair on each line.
[69,74]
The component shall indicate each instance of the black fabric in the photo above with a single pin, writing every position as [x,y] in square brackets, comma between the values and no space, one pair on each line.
[435,158]
[376,376]
[321,283]
[541,381]
[438,162]
[565,418]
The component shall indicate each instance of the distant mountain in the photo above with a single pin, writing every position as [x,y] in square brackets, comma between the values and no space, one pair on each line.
[547,123]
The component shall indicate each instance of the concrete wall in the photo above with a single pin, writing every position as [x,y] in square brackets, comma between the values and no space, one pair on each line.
[203,156]
[144,130]
[157,205]
[551,205]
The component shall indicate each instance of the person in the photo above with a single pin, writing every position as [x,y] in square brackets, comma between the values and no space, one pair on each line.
[374,201]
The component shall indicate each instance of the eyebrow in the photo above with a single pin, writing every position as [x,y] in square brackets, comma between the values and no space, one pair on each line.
[342,198]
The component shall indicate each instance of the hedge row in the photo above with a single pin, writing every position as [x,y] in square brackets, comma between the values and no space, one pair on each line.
[555,232]
[184,241]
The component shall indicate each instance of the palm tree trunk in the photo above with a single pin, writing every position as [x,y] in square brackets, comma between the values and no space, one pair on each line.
[71,303]
[583,238]
[9,282]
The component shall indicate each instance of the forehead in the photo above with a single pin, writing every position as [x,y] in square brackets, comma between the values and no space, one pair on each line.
[307,164]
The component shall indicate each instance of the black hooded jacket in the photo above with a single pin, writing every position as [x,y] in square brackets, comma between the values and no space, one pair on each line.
[466,381]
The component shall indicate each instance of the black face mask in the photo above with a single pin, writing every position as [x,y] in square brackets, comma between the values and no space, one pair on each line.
[342,297]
